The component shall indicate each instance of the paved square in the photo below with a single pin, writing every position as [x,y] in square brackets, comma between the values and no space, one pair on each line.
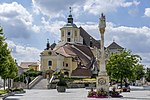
[75,94]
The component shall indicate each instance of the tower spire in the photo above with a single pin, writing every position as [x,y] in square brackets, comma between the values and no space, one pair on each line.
[70,19]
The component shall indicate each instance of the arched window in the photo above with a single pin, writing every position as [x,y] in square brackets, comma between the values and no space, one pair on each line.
[66,64]
[49,63]
[69,33]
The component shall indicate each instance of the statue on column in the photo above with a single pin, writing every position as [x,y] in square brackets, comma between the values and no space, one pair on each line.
[102,81]
[102,23]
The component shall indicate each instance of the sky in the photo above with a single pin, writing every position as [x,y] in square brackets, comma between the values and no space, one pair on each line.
[29,23]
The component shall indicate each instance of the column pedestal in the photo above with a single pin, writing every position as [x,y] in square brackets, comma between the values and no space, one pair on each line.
[102,82]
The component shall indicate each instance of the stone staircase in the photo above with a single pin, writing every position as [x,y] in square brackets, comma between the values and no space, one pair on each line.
[42,84]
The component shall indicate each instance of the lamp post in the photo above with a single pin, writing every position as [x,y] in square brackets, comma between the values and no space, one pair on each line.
[102,81]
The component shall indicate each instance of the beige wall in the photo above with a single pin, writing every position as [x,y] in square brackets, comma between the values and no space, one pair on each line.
[71,65]
[44,62]
[75,35]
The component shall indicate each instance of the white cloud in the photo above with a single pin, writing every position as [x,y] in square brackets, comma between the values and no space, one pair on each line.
[96,7]
[133,30]
[147,12]
[133,38]
[145,59]
[52,26]
[14,17]
[15,11]
[55,8]
[17,21]
[23,53]
[133,12]
[128,4]
[36,28]
[92,28]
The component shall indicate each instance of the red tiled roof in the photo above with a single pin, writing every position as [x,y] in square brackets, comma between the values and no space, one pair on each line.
[81,72]
[76,50]
[27,64]
[85,49]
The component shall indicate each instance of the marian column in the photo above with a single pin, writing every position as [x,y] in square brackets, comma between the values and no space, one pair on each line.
[102,81]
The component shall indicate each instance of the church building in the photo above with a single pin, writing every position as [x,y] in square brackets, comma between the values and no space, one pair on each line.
[76,54]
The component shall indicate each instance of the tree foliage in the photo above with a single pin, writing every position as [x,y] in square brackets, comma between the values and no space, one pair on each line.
[147,75]
[121,65]
[138,71]
[8,67]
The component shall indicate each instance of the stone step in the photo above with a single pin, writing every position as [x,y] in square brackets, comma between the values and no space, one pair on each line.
[42,84]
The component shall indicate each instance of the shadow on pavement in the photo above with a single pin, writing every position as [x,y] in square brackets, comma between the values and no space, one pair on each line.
[11,99]
[135,98]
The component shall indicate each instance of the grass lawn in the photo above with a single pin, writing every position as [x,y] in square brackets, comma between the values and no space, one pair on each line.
[3,92]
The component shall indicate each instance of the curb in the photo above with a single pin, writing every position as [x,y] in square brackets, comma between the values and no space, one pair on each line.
[6,95]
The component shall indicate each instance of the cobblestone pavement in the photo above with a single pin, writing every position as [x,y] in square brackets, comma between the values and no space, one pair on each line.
[75,94]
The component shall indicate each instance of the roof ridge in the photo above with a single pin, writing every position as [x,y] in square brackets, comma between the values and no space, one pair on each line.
[114,45]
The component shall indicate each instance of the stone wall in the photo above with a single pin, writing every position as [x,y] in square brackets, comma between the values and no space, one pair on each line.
[74,85]
[19,85]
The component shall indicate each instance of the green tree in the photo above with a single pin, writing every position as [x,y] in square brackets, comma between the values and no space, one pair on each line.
[147,75]
[13,70]
[4,52]
[139,71]
[121,65]
[8,68]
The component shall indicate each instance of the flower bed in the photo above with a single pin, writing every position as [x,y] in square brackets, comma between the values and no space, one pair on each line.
[103,94]
[97,94]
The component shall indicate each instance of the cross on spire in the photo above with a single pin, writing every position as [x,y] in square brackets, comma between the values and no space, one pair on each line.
[70,10]
[113,40]
[47,40]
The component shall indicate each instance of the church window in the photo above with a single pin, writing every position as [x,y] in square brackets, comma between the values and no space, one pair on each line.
[50,63]
[75,33]
[91,44]
[84,43]
[68,40]
[69,33]
[62,33]
[49,53]
[66,64]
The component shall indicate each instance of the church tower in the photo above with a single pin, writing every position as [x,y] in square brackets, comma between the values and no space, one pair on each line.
[70,32]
